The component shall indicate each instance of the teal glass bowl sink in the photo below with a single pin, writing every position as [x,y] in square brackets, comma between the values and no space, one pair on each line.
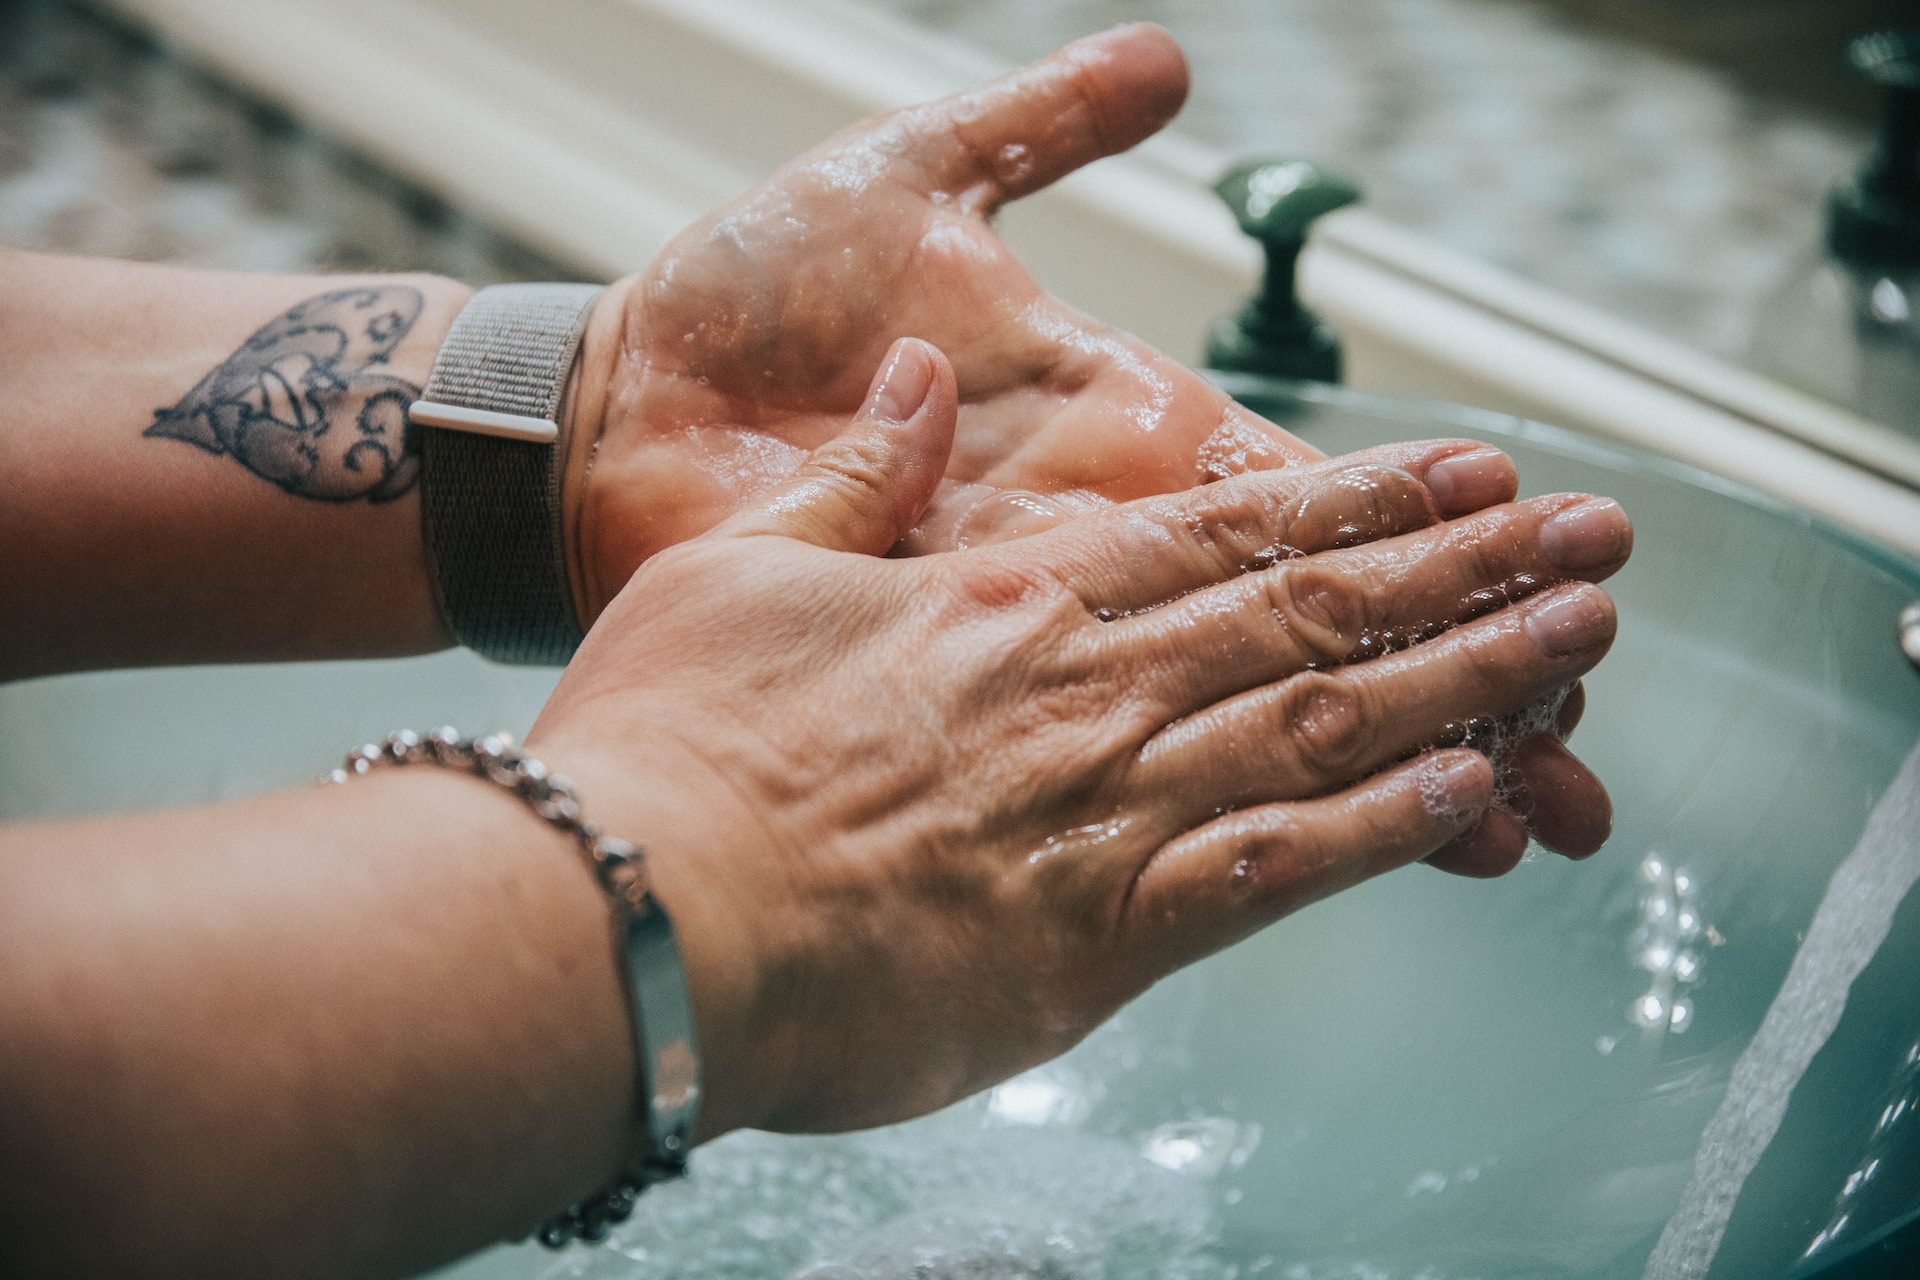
[1422,1079]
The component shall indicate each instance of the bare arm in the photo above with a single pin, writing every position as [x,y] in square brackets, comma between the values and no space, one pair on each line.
[200,466]
[351,1031]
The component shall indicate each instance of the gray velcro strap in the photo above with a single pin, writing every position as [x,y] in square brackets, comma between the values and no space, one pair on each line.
[492,506]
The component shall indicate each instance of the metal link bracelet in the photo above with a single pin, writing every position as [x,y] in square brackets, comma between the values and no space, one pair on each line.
[667,1084]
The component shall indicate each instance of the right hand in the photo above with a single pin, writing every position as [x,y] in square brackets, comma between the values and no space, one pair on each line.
[923,823]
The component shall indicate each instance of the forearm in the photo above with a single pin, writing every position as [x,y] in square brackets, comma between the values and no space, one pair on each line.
[195,468]
[347,1031]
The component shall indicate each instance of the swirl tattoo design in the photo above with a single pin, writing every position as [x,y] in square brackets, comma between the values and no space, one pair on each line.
[305,404]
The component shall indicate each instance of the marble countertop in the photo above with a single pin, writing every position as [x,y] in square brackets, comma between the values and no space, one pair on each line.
[1645,185]
[110,146]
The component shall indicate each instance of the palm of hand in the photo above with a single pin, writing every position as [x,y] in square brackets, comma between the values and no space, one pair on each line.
[752,338]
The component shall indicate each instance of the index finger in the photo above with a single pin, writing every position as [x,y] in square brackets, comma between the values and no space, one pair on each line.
[1015,135]
[1145,553]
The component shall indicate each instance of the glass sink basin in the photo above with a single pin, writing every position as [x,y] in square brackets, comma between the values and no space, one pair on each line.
[1424,1077]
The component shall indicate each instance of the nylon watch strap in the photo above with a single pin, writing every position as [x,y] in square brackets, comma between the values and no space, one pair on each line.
[490,462]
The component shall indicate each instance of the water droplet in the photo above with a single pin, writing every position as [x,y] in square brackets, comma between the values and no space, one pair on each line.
[1199,1148]
[1006,514]
[1605,1044]
[1013,164]
[1682,1016]
[1889,302]
[1049,1095]
[1657,958]
[1650,1010]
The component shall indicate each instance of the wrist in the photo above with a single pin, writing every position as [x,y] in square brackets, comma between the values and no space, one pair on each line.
[687,819]
[413,361]
[582,427]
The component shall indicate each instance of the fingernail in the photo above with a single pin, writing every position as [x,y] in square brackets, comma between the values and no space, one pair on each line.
[1593,534]
[1569,622]
[903,383]
[1469,481]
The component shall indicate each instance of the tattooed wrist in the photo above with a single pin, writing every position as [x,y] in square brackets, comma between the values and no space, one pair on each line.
[306,402]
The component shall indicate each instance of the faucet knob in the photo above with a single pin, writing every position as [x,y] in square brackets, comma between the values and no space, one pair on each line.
[1276,202]
[1874,220]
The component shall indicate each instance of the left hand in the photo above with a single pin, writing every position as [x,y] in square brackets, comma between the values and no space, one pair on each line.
[751,338]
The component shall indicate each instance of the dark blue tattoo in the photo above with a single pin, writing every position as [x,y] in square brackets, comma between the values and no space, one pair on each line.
[303,402]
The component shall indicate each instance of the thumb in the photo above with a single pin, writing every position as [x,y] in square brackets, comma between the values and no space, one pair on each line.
[862,490]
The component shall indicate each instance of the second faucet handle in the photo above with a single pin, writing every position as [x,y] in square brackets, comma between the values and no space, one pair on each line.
[1276,202]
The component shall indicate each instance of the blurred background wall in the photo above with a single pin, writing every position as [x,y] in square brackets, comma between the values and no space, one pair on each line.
[109,145]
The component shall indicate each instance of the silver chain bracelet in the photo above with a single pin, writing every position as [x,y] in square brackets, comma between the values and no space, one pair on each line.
[667,1084]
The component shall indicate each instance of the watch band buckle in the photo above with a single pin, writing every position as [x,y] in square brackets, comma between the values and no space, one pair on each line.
[483,422]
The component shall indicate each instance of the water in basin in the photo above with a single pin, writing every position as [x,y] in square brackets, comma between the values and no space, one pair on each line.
[1424,1077]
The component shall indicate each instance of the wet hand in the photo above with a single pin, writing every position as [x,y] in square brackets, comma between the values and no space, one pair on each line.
[923,823]
[752,337]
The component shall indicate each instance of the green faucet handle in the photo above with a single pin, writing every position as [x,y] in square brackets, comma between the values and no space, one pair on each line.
[1276,201]
[1873,221]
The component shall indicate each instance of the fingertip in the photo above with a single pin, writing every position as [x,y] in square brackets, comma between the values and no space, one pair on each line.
[1574,623]
[864,489]
[914,399]
[1456,787]
[1492,848]
[1471,480]
[1144,80]
[902,384]
[1567,808]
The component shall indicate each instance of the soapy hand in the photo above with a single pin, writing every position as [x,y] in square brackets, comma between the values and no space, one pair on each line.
[752,337]
[924,822]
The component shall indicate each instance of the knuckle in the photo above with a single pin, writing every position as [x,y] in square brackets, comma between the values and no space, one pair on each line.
[851,466]
[1325,613]
[1235,527]
[1481,547]
[990,581]
[1361,503]
[1275,851]
[1326,723]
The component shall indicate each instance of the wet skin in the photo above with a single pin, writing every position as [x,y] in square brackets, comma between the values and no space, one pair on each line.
[1139,737]
[751,339]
